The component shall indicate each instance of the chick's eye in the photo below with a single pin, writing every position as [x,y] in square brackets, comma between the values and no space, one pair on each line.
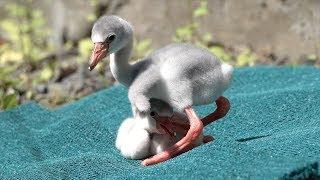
[111,37]
[152,114]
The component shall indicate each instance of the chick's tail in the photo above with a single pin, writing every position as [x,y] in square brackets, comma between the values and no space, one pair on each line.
[227,71]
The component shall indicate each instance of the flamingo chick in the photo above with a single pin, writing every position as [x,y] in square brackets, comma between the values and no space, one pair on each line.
[180,74]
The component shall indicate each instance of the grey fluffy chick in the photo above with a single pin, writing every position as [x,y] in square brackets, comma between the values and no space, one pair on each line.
[181,75]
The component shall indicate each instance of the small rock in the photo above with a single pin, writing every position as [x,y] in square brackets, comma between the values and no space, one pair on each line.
[41,88]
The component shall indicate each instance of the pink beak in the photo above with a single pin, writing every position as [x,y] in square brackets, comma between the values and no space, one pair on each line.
[100,51]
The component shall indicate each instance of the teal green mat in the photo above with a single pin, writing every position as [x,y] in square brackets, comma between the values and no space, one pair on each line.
[272,131]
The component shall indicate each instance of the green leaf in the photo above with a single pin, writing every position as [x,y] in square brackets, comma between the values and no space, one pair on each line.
[312,57]
[16,10]
[29,94]
[202,10]
[46,74]
[10,101]
[85,47]
[143,45]
[220,53]
[26,31]
[185,33]
[91,17]
[246,57]
[11,28]
[1,96]
[207,37]
[94,2]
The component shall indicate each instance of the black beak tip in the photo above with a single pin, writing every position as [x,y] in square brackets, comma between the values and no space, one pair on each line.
[90,68]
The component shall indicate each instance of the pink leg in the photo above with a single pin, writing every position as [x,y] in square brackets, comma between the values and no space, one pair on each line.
[181,128]
[185,144]
[223,107]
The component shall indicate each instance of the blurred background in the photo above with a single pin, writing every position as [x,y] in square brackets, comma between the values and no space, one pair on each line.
[45,44]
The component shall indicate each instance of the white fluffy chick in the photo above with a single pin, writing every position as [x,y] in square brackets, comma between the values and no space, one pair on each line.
[147,134]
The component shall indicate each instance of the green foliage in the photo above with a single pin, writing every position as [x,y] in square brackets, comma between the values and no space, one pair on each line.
[85,48]
[94,2]
[246,58]
[8,101]
[185,33]
[7,80]
[46,73]
[221,53]
[191,33]
[141,48]
[312,57]
[202,10]
[26,32]
[91,17]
